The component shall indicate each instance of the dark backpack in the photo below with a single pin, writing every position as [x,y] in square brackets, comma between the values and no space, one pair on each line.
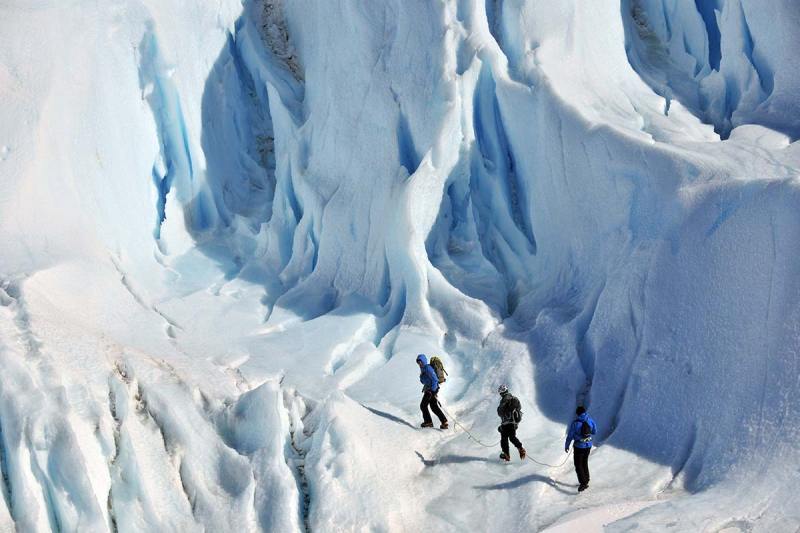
[586,431]
[512,410]
[516,414]
[437,365]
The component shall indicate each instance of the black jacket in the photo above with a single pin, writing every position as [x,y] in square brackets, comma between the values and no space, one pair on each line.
[508,404]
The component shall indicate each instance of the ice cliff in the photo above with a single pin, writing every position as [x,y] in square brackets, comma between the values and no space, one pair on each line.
[229,228]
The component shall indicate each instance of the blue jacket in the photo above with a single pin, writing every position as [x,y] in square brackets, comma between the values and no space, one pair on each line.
[574,432]
[428,375]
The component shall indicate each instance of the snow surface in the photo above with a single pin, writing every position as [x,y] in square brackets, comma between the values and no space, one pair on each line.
[229,228]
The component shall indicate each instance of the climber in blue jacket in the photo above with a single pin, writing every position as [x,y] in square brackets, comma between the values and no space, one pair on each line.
[430,388]
[581,430]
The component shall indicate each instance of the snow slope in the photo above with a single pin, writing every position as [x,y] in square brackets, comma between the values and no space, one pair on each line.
[228,230]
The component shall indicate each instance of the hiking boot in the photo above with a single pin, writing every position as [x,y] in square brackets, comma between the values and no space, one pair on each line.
[582,488]
[426,425]
[522,452]
[444,425]
[505,457]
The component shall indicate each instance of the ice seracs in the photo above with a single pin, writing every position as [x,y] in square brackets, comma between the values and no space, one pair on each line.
[228,230]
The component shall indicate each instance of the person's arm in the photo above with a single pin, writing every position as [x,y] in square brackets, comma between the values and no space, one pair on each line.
[569,437]
[594,427]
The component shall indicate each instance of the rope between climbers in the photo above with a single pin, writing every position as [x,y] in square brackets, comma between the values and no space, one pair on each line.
[548,464]
[478,441]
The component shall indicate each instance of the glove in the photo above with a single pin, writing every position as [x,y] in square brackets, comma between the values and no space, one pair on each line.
[566,449]
[499,429]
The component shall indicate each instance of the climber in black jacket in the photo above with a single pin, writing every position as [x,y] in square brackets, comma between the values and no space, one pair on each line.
[510,413]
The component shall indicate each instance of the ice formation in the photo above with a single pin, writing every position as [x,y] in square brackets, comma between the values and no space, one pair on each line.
[228,228]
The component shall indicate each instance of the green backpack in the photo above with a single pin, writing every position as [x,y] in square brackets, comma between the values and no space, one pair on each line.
[437,365]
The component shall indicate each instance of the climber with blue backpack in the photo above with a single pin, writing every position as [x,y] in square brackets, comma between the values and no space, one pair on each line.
[580,431]
[430,389]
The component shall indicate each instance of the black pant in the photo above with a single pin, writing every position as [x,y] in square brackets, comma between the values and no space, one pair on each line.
[581,458]
[429,398]
[508,432]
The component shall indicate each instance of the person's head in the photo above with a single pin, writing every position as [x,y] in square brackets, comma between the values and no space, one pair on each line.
[502,389]
[422,360]
[580,410]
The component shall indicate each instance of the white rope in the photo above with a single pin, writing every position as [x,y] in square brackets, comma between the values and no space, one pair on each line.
[548,464]
[469,434]
[478,441]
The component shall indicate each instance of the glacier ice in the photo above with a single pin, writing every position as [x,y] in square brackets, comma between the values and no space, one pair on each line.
[228,230]
[730,61]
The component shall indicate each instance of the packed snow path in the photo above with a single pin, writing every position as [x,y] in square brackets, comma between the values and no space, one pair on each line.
[228,230]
